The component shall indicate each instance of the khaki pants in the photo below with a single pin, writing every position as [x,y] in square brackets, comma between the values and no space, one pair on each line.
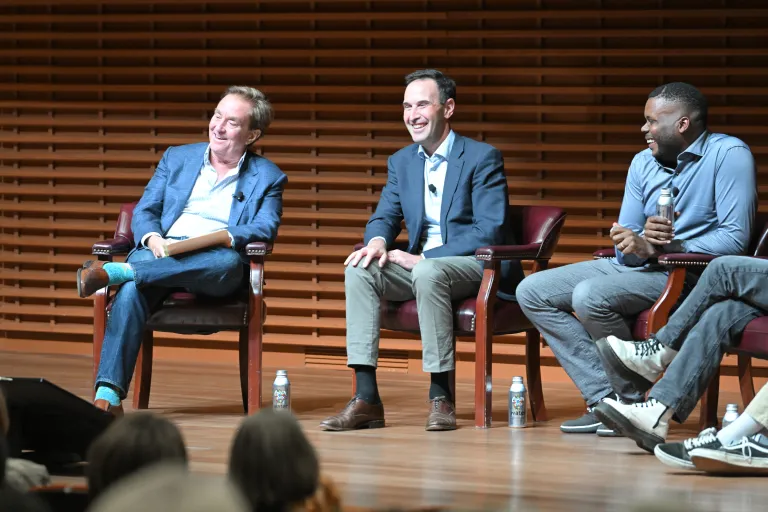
[433,282]
[758,407]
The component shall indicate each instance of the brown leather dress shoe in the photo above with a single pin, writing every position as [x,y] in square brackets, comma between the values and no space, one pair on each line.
[442,415]
[91,278]
[357,414]
[116,410]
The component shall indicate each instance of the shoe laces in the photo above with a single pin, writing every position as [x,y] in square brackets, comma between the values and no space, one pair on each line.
[647,348]
[652,402]
[436,402]
[705,437]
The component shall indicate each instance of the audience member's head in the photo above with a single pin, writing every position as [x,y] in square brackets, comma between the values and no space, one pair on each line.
[133,442]
[170,488]
[273,462]
[13,500]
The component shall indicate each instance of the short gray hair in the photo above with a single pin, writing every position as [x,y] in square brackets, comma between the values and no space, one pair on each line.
[261,113]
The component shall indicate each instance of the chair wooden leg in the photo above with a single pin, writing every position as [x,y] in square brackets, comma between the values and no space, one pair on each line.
[708,415]
[250,367]
[243,360]
[533,370]
[745,379]
[143,374]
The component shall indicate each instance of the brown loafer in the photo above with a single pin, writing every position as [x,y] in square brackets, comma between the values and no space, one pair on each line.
[116,410]
[91,278]
[356,415]
[442,415]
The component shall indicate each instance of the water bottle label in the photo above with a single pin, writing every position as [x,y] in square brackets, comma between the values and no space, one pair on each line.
[280,399]
[517,405]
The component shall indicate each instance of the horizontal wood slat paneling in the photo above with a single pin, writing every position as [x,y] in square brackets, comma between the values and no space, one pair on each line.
[92,93]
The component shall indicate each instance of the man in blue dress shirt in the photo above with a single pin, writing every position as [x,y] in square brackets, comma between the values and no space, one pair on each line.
[196,189]
[713,180]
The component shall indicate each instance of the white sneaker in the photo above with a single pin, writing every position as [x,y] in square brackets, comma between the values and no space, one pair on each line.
[647,423]
[639,362]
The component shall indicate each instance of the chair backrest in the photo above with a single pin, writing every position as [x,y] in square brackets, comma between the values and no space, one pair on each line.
[124,218]
[758,245]
[537,225]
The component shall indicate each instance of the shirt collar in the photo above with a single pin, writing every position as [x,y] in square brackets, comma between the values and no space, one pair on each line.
[207,158]
[699,146]
[443,151]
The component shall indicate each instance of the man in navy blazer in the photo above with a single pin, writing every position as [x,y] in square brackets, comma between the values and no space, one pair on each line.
[452,193]
[196,189]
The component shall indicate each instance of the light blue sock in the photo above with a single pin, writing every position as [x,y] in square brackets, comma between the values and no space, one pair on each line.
[118,273]
[108,394]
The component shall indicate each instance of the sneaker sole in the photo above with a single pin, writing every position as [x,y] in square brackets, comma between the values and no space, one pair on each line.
[611,360]
[724,467]
[615,420]
[608,433]
[673,462]
[583,429]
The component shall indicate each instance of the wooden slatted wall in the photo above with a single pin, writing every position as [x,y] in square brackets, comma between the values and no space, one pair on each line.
[92,92]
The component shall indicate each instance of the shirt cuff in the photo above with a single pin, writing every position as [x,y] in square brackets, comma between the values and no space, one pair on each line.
[231,240]
[379,238]
[146,237]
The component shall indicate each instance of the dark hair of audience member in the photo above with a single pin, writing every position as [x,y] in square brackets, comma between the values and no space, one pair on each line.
[273,462]
[132,442]
[15,501]
[5,421]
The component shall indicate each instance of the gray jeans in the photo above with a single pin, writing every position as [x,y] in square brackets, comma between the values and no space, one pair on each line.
[433,282]
[731,292]
[604,295]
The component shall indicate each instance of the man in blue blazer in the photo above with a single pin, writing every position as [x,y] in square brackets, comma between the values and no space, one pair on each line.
[196,189]
[452,193]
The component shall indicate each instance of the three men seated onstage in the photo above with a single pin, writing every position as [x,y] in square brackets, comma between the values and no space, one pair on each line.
[196,189]
[452,193]
[712,177]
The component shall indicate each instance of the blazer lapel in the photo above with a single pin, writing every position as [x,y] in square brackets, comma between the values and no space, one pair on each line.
[452,175]
[414,201]
[249,177]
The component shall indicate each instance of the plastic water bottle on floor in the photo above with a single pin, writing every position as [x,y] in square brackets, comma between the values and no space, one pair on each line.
[731,413]
[281,392]
[517,405]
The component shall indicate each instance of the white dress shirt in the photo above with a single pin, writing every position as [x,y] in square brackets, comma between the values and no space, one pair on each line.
[208,207]
[435,167]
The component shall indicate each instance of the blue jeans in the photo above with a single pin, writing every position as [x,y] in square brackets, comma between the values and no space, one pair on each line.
[731,292]
[604,296]
[216,272]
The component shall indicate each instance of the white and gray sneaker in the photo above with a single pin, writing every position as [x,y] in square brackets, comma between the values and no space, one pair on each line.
[746,457]
[677,455]
[639,362]
[586,424]
[647,423]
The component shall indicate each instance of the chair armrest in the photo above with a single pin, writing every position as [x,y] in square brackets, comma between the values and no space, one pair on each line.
[686,259]
[508,252]
[258,249]
[112,247]
[604,253]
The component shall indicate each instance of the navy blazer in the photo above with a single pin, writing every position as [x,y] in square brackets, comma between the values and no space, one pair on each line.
[473,212]
[254,219]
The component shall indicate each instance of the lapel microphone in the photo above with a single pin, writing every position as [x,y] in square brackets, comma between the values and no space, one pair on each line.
[433,188]
[239,196]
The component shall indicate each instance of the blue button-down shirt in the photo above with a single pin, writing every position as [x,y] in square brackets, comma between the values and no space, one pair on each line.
[435,167]
[717,196]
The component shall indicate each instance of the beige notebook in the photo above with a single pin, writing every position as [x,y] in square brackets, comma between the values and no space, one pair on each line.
[198,242]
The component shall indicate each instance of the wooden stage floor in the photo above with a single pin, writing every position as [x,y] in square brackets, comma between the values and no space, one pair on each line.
[537,468]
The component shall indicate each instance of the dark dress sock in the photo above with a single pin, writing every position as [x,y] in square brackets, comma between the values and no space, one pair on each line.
[440,385]
[365,379]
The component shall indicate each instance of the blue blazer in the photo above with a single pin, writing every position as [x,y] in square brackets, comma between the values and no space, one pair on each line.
[255,218]
[473,211]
